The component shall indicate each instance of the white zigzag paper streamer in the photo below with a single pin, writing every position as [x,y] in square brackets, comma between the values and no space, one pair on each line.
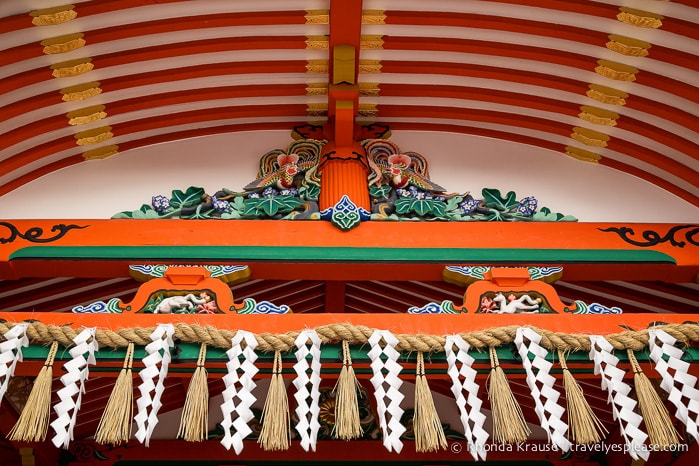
[549,411]
[240,386]
[393,429]
[11,354]
[686,399]
[158,353]
[460,366]
[77,371]
[622,405]
[307,411]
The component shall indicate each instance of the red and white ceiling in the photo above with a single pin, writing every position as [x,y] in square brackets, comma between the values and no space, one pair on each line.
[593,80]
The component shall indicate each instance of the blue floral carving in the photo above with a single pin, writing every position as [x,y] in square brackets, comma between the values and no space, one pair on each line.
[527,206]
[219,205]
[468,205]
[160,203]
[269,192]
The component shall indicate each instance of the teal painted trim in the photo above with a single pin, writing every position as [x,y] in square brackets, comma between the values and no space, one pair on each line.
[344,254]
[187,353]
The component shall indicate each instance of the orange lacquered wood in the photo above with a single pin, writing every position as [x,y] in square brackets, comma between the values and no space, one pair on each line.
[434,324]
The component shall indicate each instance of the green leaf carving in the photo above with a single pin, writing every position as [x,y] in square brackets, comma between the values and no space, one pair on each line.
[200,213]
[421,207]
[545,215]
[494,199]
[271,206]
[439,208]
[497,216]
[189,198]
[453,202]
[310,192]
[380,192]
[403,205]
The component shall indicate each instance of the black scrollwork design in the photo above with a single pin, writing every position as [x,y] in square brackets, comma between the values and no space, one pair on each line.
[35,234]
[88,451]
[652,238]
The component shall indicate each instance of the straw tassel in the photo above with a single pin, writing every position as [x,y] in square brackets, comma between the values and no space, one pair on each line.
[429,435]
[509,425]
[347,423]
[33,423]
[659,426]
[115,426]
[584,427]
[275,434]
[195,414]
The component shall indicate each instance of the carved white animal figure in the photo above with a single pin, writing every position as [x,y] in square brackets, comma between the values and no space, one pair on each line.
[176,303]
[511,305]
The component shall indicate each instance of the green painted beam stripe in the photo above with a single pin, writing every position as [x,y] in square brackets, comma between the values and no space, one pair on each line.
[344,254]
[330,353]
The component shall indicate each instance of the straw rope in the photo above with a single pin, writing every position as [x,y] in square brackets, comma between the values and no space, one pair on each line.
[635,340]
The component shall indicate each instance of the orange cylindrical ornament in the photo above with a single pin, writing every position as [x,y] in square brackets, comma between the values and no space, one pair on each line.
[344,171]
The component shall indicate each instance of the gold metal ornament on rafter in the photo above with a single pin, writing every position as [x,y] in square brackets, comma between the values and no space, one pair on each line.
[80,91]
[607,95]
[373,17]
[628,46]
[317,109]
[94,136]
[86,115]
[371,42]
[367,42]
[317,42]
[640,18]
[63,44]
[582,154]
[598,116]
[101,152]
[369,66]
[589,137]
[53,16]
[616,71]
[317,89]
[367,110]
[71,68]
[317,67]
[367,89]
[317,17]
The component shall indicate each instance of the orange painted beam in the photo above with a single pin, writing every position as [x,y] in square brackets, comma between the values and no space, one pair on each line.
[433,324]
[381,237]
[345,25]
